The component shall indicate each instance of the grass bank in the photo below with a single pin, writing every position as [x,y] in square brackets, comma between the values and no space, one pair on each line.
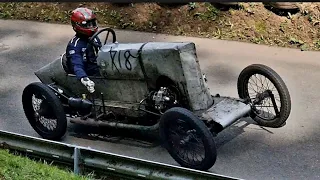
[13,167]
[251,22]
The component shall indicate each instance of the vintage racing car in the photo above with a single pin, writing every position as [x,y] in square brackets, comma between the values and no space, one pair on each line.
[154,86]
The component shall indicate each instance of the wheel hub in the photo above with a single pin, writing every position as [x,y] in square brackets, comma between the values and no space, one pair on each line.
[45,111]
[261,96]
[184,140]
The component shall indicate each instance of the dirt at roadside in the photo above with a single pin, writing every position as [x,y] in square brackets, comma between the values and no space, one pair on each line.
[251,22]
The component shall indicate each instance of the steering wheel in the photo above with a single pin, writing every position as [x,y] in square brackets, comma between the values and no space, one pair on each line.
[114,38]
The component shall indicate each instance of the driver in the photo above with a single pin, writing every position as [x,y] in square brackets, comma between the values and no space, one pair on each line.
[81,56]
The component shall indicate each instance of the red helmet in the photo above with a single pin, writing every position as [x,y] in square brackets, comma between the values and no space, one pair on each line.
[84,21]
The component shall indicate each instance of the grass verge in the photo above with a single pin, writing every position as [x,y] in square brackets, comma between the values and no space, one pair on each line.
[21,168]
[250,22]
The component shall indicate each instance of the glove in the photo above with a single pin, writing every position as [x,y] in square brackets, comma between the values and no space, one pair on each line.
[88,83]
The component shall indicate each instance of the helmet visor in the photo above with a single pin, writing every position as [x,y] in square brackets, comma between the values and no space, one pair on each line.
[89,24]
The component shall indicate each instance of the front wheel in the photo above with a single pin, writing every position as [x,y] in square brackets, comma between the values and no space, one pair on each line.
[267,92]
[44,111]
[187,139]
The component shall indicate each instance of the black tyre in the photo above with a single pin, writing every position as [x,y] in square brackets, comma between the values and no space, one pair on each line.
[48,119]
[274,83]
[182,133]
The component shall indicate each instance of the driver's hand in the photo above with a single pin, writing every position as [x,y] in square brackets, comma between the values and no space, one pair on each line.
[88,83]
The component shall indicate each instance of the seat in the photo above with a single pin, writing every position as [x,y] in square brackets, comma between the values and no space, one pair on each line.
[65,65]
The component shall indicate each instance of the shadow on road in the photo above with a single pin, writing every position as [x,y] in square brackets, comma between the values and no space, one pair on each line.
[112,135]
[149,140]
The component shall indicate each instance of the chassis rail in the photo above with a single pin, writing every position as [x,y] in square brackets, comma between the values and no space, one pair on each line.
[108,163]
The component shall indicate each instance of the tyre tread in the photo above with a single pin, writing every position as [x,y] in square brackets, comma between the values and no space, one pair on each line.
[278,83]
[56,106]
[210,147]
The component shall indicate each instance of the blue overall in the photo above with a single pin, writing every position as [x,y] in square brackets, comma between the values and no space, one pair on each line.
[81,57]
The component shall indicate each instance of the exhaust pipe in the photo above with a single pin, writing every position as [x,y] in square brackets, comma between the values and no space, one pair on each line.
[99,123]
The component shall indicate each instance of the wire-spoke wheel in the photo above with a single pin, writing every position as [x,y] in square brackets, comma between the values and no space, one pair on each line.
[187,139]
[265,89]
[44,111]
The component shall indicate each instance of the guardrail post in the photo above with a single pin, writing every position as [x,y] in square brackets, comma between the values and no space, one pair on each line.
[76,161]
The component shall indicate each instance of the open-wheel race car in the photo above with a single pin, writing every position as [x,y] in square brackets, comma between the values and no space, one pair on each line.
[154,87]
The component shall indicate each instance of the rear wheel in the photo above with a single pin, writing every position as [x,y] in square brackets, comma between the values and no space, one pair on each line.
[268,93]
[187,139]
[44,111]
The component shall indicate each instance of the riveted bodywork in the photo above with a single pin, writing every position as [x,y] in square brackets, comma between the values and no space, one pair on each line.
[126,78]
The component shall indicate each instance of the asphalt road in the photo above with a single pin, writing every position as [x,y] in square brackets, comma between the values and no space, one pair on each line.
[244,150]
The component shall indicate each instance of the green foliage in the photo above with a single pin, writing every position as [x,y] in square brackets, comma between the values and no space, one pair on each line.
[210,14]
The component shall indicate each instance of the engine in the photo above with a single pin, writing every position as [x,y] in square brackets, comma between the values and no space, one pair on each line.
[164,99]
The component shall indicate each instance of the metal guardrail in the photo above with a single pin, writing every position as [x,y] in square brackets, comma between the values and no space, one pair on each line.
[99,160]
